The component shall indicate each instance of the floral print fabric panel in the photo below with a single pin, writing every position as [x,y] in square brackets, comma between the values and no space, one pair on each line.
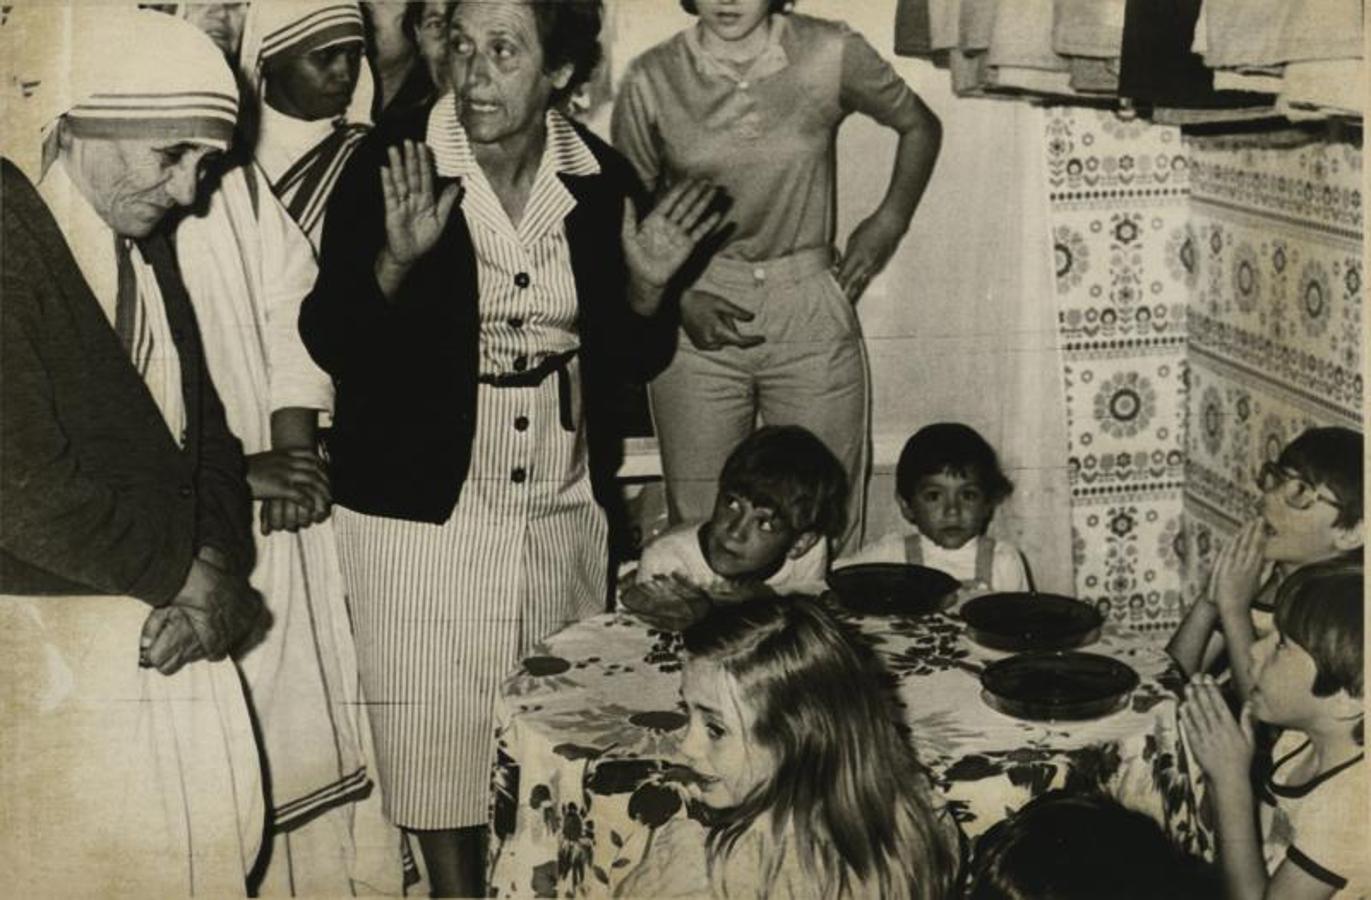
[1275,323]
[1125,266]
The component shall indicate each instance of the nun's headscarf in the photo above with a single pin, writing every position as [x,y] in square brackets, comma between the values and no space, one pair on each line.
[117,74]
[289,28]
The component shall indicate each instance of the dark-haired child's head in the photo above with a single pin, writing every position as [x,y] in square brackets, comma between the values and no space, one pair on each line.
[1312,497]
[780,492]
[948,483]
[1308,671]
[1084,847]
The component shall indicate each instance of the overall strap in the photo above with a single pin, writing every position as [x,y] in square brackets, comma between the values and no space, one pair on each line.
[913,550]
[985,559]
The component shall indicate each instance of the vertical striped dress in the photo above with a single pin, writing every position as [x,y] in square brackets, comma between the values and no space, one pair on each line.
[444,612]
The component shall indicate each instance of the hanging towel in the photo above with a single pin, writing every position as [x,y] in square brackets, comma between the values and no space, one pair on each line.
[1088,27]
[1263,32]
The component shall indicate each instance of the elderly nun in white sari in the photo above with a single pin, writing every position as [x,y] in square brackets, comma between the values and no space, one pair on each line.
[303,61]
[247,266]
[115,778]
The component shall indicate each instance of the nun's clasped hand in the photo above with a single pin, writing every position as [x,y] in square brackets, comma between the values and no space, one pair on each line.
[658,245]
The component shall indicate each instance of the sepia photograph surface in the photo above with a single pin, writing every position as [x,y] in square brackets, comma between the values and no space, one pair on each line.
[641,448]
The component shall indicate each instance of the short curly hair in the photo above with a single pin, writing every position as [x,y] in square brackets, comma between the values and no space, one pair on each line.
[569,31]
[776,6]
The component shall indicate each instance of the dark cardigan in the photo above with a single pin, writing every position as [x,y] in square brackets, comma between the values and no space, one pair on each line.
[405,371]
[95,495]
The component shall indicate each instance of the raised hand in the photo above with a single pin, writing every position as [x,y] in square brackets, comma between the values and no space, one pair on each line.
[709,321]
[415,216]
[655,248]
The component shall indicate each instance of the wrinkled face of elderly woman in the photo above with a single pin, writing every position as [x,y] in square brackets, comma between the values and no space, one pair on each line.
[133,183]
[223,22]
[496,64]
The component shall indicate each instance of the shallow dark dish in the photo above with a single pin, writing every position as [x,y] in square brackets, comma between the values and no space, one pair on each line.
[1058,686]
[1019,622]
[891,589]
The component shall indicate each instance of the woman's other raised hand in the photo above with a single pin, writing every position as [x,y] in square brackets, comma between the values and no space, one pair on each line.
[658,245]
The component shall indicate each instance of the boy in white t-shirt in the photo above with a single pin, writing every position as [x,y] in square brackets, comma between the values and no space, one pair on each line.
[948,483]
[782,496]
[1307,679]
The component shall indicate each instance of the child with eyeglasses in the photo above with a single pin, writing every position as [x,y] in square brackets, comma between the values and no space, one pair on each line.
[1310,511]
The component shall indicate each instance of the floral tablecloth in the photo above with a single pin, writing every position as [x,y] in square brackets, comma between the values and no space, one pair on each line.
[587,733]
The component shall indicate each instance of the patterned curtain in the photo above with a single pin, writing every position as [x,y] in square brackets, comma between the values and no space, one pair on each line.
[1275,334]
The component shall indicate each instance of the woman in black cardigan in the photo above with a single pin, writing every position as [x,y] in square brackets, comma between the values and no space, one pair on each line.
[470,351]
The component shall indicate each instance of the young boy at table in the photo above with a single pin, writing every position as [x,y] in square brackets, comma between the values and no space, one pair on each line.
[782,496]
[1306,679]
[948,484]
[1310,510]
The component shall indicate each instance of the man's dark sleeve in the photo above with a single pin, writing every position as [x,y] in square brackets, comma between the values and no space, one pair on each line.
[223,503]
[59,526]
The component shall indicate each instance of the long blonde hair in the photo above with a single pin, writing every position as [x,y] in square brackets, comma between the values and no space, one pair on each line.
[848,794]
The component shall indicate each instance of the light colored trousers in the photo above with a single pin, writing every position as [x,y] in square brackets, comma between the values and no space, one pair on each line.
[811,371]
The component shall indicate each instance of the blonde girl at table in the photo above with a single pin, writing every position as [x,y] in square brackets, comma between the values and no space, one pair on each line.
[812,790]
[751,98]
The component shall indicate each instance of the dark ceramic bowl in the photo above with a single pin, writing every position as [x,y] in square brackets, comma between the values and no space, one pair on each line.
[1020,622]
[1058,686]
[891,589]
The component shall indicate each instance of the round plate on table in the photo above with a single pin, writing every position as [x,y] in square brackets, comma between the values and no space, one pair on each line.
[1058,686]
[1020,621]
[891,589]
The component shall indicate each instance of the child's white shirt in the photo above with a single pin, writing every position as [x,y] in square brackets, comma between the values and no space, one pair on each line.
[677,551]
[1006,568]
[1318,826]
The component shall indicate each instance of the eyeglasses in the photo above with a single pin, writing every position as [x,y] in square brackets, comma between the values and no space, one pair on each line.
[1297,493]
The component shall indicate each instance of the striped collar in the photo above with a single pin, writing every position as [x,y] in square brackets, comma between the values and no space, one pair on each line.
[564,153]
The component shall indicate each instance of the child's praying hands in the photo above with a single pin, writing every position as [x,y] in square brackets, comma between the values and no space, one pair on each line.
[1222,745]
[1238,569]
